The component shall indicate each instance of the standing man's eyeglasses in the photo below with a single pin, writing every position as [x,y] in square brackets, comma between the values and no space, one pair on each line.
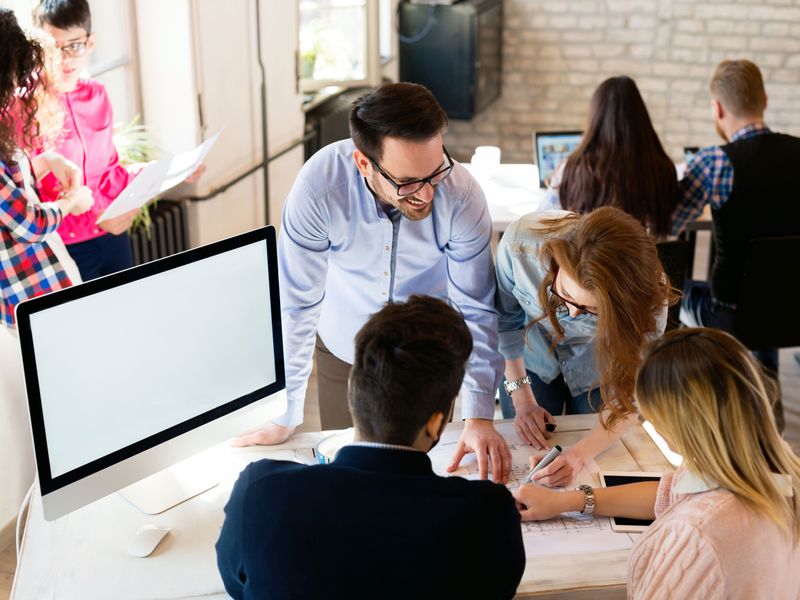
[580,307]
[75,49]
[412,187]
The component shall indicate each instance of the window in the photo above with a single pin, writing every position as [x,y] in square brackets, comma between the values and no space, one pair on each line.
[338,43]
[112,62]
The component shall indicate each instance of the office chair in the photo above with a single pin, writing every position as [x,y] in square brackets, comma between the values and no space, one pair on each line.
[675,256]
[765,317]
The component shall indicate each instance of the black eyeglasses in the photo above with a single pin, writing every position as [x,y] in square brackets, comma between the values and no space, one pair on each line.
[412,187]
[75,49]
[580,307]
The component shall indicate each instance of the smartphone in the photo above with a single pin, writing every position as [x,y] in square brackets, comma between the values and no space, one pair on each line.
[612,478]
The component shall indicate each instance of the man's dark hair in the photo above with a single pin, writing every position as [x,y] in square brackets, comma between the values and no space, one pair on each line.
[400,110]
[409,364]
[63,14]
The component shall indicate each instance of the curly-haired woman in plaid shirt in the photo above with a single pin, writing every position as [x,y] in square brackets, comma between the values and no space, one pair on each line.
[28,265]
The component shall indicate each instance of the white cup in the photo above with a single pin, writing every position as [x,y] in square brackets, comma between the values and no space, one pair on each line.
[485,159]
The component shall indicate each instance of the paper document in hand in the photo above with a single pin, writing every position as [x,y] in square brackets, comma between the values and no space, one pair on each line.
[569,533]
[144,187]
[184,164]
[156,178]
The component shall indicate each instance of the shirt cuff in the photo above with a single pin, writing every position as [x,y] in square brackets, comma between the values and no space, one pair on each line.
[476,405]
[293,415]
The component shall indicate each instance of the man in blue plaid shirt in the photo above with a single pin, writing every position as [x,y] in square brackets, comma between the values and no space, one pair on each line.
[751,185]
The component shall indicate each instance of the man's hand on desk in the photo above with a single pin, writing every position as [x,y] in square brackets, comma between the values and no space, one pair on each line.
[480,436]
[266,435]
[562,471]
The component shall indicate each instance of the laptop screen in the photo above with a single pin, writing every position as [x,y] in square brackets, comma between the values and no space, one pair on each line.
[552,148]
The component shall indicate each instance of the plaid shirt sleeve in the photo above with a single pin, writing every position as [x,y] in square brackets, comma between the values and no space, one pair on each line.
[708,180]
[24,220]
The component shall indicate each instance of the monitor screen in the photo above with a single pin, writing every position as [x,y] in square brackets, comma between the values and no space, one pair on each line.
[552,148]
[119,365]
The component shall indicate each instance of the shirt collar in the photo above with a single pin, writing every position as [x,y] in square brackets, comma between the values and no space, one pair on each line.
[385,458]
[750,130]
[687,482]
[384,446]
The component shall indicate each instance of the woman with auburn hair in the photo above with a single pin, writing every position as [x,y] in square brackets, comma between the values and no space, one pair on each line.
[578,296]
[28,264]
[620,161]
[727,522]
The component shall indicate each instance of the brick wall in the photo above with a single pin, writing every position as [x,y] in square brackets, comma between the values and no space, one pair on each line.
[555,52]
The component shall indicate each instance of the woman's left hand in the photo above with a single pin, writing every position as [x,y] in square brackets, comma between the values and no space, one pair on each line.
[536,503]
[562,471]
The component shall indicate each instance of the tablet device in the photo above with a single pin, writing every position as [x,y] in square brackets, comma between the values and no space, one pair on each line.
[612,478]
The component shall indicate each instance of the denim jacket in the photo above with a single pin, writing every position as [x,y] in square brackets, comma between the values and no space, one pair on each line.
[520,272]
[519,276]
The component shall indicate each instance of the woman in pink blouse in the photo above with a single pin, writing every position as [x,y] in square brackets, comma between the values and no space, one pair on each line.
[727,522]
[87,140]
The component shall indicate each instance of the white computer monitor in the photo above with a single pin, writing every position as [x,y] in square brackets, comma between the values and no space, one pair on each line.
[553,148]
[131,373]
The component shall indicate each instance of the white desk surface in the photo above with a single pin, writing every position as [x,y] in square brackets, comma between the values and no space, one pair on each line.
[511,191]
[82,555]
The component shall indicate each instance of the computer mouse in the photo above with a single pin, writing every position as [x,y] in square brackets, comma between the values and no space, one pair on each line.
[146,540]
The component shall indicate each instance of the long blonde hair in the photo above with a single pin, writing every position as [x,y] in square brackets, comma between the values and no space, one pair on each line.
[610,254]
[701,389]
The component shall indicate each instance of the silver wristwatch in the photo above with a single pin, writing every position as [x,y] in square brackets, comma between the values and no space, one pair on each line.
[588,498]
[513,386]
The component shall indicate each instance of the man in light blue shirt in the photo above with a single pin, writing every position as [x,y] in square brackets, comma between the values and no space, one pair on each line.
[372,220]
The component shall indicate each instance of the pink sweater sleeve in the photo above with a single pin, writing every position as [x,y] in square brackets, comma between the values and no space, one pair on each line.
[677,561]
[664,496]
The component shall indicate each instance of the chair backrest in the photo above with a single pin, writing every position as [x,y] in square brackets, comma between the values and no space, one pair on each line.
[676,256]
[766,315]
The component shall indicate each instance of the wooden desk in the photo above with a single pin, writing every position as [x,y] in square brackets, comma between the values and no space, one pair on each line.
[82,555]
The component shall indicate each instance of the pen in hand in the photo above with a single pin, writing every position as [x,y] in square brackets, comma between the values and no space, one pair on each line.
[548,458]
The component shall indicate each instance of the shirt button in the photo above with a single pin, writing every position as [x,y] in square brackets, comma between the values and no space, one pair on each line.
[386,248]
[384,294]
[386,273]
[71,235]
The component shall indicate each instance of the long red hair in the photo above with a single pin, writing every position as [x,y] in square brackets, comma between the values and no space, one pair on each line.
[610,254]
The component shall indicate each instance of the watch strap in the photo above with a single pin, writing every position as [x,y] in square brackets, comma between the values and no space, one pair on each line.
[588,498]
[513,386]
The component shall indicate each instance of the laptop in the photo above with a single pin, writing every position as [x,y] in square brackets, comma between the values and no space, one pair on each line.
[552,147]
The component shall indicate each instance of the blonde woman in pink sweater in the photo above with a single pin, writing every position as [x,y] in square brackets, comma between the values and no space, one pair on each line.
[727,522]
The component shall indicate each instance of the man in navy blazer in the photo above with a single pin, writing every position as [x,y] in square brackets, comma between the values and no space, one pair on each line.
[378,522]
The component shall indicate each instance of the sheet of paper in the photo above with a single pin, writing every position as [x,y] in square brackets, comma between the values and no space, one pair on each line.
[570,533]
[156,178]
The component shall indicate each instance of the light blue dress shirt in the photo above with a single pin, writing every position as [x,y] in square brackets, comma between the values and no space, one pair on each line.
[335,257]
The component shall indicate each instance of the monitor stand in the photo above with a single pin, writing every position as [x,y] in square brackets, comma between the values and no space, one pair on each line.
[180,482]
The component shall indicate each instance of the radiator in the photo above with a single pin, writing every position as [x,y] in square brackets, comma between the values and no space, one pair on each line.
[168,233]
